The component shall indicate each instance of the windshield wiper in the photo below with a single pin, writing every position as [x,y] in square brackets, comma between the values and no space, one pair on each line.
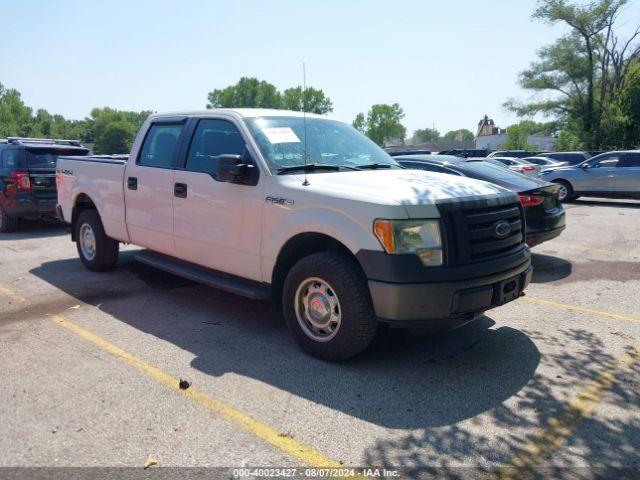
[309,167]
[375,166]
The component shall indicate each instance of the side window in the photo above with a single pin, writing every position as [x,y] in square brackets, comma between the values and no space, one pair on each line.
[606,161]
[211,139]
[12,158]
[629,160]
[160,145]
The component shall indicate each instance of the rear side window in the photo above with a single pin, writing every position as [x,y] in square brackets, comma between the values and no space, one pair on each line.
[630,160]
[48,157]
[211,139]
[160,145]
[13,158]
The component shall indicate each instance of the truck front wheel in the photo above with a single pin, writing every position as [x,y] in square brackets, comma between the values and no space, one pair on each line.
[97,251]
[327,306]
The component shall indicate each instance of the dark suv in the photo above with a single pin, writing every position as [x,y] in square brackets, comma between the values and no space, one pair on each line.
[28,177]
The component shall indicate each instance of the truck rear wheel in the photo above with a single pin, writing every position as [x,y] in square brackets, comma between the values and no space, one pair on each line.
[97,251]
[327,306]
[7,223]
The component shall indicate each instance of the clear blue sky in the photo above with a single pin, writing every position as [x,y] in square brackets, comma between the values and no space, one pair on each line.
[445,62]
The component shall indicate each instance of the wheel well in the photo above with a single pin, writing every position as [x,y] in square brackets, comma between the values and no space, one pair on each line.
[83,202]
[295,249]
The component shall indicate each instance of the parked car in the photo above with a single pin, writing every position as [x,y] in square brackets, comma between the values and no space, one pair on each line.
[512,154]
[569,158]
[395,153]
[543,211]
[307,212]
[544,162]
[27,177]
[517,165]
[465,152]
[611,174]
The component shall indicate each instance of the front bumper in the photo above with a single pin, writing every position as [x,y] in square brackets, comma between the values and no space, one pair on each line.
[448,304]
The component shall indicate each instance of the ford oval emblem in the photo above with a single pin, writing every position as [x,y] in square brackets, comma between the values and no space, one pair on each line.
[502,229]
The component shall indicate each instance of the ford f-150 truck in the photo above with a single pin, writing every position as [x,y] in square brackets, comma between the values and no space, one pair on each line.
[305,211]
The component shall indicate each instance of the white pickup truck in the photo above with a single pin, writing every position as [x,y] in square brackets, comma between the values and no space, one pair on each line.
[305,211]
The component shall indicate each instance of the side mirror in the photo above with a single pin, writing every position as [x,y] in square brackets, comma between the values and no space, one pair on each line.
[585,166]
[237,169]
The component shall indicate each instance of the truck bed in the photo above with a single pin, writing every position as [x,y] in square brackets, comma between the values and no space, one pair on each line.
[101,178]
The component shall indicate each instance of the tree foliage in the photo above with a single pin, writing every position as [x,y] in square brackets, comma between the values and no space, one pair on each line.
[112,131]
[310,100]
[467,135]
[578,78]
[247,93]
[250,92]
[15,116]
[424,135]
[518,134]
[382,123]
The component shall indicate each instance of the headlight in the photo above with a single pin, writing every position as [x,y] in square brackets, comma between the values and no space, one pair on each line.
[420,237]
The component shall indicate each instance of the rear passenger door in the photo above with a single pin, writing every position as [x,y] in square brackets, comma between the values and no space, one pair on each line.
[148,187]
[217,224]
[627,178]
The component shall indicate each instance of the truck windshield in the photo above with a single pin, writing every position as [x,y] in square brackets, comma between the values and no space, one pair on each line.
[281,141]
[47,158]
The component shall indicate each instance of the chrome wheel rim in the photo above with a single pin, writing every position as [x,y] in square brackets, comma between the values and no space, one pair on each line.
[318,309]
[562,192]
[87,242]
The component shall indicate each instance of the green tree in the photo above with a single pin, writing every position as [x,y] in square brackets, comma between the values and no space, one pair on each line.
[423,135]
[313,100]
[577,78]
[382,123]
[567,141]
[247,93]
[518,134]
[116,137]
[467,135]
[15,116]
[629,106]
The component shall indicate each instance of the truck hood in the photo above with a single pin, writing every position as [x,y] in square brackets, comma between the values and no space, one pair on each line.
[406,187]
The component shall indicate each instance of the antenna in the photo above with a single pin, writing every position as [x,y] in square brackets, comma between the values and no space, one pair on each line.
[304,121]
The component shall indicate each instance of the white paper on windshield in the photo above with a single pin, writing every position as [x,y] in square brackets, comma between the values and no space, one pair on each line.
[281,135]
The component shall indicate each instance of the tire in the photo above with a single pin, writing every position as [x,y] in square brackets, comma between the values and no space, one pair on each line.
[566,191]
[7,223]
[97,251]
[340,302]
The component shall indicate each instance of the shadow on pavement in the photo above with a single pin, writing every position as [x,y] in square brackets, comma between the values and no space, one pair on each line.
[405,381]
[547,268]
[445,394]
[36,229]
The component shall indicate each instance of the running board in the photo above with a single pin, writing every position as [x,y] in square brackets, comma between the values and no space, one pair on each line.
[204,275]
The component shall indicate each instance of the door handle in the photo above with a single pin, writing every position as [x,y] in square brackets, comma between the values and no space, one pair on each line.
[132,183]
[180,190]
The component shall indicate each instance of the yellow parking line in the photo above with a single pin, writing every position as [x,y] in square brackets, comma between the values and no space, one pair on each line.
[541,446]
[576,308]
[282,441]
[288,445]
